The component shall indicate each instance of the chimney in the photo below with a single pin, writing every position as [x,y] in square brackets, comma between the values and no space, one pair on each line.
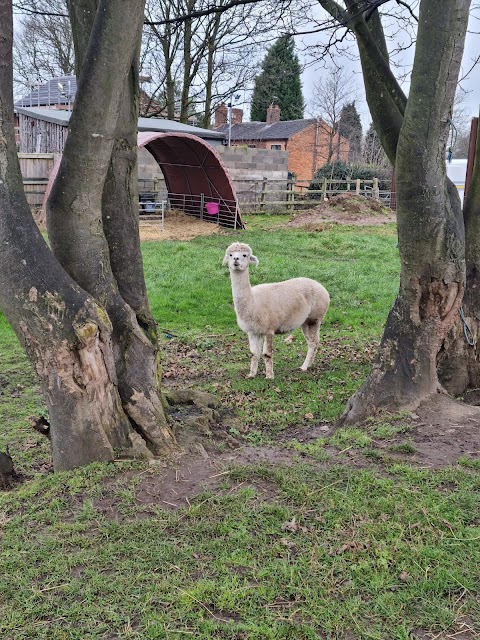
[237,116]
[221,115]
[273,114]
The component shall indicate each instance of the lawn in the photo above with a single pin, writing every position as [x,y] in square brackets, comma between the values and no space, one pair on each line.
[292,532]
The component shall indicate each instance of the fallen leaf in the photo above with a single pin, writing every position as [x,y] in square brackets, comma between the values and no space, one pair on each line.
[287,543]
[290,526]
[289,339]
[349,546]
[293,526]
[309,416]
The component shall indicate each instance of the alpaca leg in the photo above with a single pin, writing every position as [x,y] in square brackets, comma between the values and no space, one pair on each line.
[268,356]
[311,331]
[255,343]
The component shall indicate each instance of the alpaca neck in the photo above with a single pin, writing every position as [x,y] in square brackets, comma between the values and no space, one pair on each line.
[241,289]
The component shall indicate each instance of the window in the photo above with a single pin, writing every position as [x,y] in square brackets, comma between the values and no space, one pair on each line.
[276,147]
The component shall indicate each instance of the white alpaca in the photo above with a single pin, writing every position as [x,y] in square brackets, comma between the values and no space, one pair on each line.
[278,307]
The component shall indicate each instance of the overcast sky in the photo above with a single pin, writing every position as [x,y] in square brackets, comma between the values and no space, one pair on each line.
[471,85]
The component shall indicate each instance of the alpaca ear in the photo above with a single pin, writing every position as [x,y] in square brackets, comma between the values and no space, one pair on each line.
[254,260]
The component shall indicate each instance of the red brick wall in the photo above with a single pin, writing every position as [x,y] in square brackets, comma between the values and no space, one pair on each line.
[308,151]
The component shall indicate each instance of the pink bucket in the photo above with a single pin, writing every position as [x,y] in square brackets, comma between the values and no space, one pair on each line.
[212,208]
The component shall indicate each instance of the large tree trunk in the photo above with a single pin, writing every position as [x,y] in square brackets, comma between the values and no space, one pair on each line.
[430,229]
[101,141]
[136,338]
[64,331]
[459,360]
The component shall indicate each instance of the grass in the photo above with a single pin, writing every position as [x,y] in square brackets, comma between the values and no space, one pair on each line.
[314,549]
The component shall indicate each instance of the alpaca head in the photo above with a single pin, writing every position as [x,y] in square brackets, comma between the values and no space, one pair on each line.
[239,256]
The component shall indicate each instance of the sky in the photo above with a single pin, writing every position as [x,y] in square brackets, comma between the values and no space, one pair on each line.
[471,85]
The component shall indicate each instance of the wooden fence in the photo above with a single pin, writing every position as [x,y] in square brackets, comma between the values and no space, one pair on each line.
[36,169]
[263,196]
[254,196]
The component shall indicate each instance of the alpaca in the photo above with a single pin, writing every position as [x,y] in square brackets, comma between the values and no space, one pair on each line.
[278,307]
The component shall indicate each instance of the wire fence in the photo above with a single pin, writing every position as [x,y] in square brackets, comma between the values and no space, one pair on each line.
[218,211]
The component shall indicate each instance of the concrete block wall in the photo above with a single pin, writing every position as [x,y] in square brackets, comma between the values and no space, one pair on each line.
[248,168]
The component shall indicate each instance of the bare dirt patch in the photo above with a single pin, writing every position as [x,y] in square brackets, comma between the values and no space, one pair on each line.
[446,430]
[179,485]
[347,209]
[177,226]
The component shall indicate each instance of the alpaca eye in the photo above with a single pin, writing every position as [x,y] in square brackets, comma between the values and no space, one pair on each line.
[230,255]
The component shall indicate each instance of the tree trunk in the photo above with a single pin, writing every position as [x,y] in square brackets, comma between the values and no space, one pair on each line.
[211,47]
[65,333]
[135,336]
[169,50]
[459,367]
[101,141]
[187,69]
[430,230]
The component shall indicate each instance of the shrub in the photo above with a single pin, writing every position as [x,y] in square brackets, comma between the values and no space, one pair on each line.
[344,171]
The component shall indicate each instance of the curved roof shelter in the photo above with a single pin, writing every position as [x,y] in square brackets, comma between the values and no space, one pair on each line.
[195,176]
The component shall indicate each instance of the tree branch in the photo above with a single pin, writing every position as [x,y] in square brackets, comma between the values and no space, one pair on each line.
[202,12]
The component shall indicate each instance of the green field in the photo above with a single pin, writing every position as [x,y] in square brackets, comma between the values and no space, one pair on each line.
[337,536]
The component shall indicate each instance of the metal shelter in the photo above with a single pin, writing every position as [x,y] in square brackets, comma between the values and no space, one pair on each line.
[196,178]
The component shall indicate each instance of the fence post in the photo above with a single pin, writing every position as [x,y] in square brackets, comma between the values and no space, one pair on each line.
[357,186]
[376,191]
[263,194]
[324,188]
[202,205]
[290,195]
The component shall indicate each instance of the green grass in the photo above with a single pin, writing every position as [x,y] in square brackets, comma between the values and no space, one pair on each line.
[313,549]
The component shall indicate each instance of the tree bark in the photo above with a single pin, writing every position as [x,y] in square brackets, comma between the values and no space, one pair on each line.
[459,360]
[98,172]
[65,332]
[430,229]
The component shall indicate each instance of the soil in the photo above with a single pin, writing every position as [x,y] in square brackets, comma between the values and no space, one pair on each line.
[347,209]
[439,432]
[177,226]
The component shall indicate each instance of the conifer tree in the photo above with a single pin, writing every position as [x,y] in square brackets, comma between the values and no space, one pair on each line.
[279,82]
[350,127]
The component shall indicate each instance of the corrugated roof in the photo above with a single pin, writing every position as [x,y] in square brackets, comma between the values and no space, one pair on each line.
[62,117]
[61,90]
[282,130]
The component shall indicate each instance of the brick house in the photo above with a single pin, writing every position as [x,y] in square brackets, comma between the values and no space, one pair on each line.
[308,142]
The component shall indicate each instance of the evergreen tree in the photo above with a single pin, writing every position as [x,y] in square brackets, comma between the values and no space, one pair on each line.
[279,82]
[350,127]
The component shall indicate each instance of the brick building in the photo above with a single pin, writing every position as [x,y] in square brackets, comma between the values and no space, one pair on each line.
[309,142]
